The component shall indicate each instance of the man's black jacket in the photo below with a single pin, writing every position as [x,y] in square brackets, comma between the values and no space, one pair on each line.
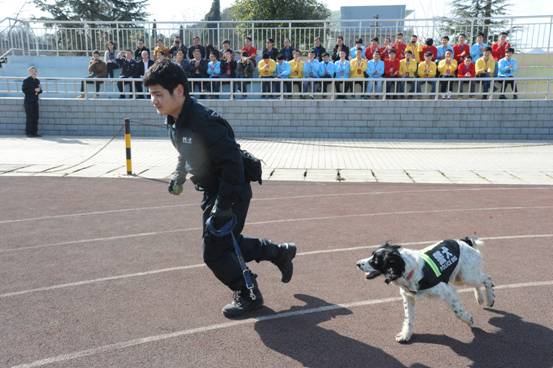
[29,85]
[208,151]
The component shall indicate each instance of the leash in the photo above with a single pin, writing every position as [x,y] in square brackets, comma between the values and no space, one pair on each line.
[225,230]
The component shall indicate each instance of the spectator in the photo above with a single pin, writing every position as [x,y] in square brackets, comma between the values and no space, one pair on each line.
[461,48]
[374,46]
[196,45]
[447,68]
[408,69]
[429,46]
[226,47]
[507,69]
[248,47]
[375,70]
[160,50]
[465,72]
[198,69]
[415,48]
[283,72]
[341,71]
[142,67]
[445,46]
[311,70]
[427,69]
[296,70]
[386,48]
[353,50]
[318,49]
[31,89]
[485,68]
[477,49]
[327,69]
[97,68]
[358,69]
[214,71]
[499,48]
[228,69]
[182,62]
[266,69]
[139,48]
[391,71]
[110,57]
[339,47]
[400,46]
[177,45]
[287,50]
[270,49]
[128,70]
[244,69]
[209,49]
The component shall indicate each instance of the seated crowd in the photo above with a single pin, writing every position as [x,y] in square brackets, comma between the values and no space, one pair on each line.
[371,69]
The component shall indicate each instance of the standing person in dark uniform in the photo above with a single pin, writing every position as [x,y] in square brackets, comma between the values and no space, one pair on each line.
[31,89]
[209,153]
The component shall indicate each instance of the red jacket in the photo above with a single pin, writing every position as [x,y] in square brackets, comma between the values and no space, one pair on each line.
[391,68]
[432,48]
[498,51]
[400,49]
[252,51]
[369,52]
[462,70]
[458,50]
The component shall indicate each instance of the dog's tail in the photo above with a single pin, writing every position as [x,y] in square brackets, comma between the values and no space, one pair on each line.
[474,242]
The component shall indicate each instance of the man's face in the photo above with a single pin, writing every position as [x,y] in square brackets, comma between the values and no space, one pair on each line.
[286,43]
[212,57]
[376,56]
[444,41]
[479,39]
[467,61]
[428,58]
[269,45]
[228,56]
[326,58]
[448,55]
[358,54]
[503,38]
[508,54]
[311,56]
[339,41]
[176,41]
[165,102]
[342,55]
[399,38]
[247,42]
[197,54]
[487,53]
[226,46]
[196,41]
[145,55]
[96,56]
[317,42]
[461,40]
[33,72]
[413,39]
[128,55]
[408,56]
[374,44]
[392,56]
[140,44]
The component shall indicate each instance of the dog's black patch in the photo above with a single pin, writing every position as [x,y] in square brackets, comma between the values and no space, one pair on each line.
[386,260]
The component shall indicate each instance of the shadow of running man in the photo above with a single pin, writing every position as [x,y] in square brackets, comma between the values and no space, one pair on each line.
[518,343]
[302,339]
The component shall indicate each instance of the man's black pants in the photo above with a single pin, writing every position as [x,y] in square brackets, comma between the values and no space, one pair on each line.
[31,113]
[218,253]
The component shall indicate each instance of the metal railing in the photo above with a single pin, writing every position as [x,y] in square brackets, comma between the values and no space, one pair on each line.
[300,88]
[42,37]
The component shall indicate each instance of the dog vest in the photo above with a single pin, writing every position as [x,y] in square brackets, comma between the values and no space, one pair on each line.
[439,263]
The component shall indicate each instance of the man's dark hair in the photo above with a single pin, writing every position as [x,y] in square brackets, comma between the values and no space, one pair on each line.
[375,39]
[226,41]
[248,38]
[468,57]
[429,42]
[481,34]
[399,34]
[488,49]
[462,34]
[270,40]
[359,40]
[445,38]
[281,57]
[95,52]
[166,74]
[408,52]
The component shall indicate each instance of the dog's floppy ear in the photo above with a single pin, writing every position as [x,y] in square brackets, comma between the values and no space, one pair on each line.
[394,265]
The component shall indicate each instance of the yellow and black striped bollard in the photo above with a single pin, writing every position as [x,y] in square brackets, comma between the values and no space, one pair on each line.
[128,145]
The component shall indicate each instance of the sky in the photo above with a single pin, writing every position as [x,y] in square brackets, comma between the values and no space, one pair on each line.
[190,10]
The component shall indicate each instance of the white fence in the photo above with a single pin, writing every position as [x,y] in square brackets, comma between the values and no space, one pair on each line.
[79,38]
[274,88]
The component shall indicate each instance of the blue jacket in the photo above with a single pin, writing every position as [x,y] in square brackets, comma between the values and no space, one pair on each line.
[326,70]
[441,52]
[353,52]
[214,69]
[311,69]
[503,71]
[375,69]
[283,70]
[475,51]
[342,70]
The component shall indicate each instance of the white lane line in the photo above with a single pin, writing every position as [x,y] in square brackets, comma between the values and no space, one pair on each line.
[299,219]
[306,196]
[149,339]
[200,265]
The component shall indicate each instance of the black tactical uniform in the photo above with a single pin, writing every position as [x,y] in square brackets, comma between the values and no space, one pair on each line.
[31,105]
[129,69]
[209,153]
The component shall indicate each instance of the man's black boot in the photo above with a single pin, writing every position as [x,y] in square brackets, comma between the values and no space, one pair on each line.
[243,303]
[286,252]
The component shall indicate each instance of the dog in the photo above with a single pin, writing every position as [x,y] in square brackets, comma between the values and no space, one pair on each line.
[431,271]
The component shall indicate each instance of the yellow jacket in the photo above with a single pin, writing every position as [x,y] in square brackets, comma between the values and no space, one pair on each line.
[482,66]
[415,49]
[357,68]
[408,70]
[296,68]
[443,68]
[266,72]
[427,70]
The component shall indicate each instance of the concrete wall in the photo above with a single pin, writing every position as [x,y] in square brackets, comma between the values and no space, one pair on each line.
[461,119]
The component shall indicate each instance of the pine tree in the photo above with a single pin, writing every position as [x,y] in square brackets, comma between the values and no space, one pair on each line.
[215,12]
[94,10]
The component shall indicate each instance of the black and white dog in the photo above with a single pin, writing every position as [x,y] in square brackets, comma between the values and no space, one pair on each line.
[431,271]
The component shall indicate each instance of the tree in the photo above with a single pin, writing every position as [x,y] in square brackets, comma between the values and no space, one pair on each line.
[215,12]
[474,16]
[94,10]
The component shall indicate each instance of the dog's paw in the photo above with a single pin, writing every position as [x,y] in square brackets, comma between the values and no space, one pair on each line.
[469,320]
[403,337]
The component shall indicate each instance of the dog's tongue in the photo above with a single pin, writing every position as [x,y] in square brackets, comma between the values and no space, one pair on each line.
[372,274]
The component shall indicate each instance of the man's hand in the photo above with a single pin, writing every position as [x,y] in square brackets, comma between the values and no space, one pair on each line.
[174,187]
[221,217]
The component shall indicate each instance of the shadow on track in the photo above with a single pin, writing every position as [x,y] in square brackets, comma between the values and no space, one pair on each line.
[517,343]
[302,339]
